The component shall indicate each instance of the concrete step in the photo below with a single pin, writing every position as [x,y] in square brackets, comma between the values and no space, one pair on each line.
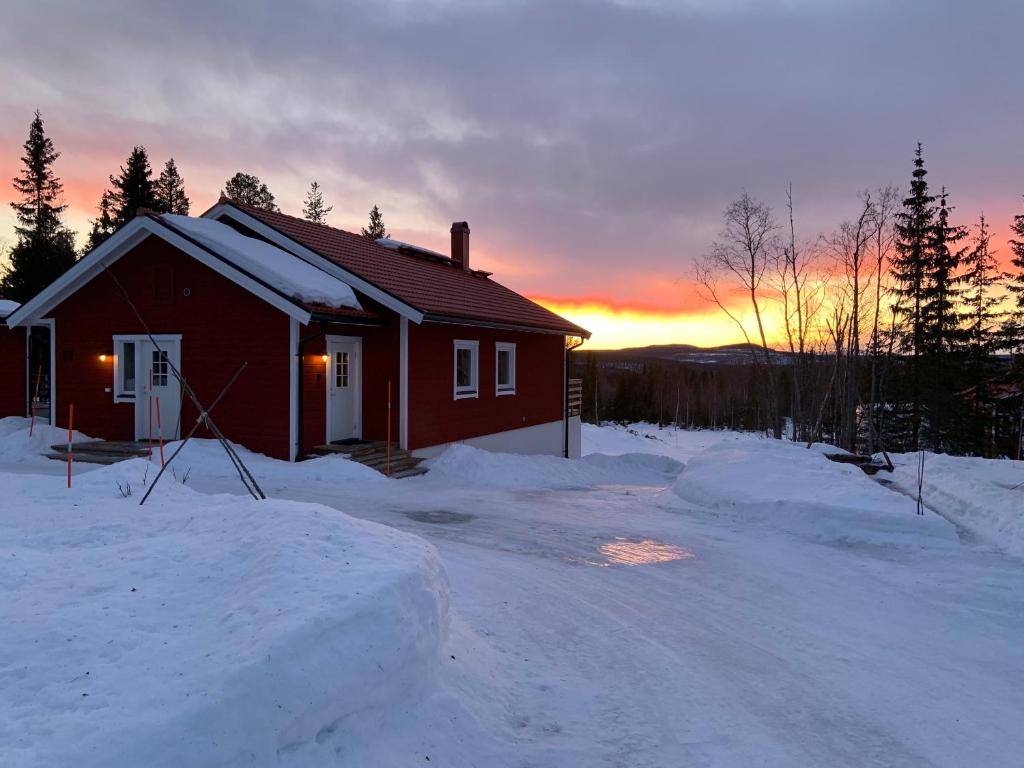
[374,455]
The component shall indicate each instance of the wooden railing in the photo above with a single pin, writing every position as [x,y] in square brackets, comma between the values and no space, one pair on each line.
[574,401]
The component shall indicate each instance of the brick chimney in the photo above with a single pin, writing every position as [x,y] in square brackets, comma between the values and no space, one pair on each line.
[460,244]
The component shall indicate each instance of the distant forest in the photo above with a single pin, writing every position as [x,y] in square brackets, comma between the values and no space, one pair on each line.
[901,333]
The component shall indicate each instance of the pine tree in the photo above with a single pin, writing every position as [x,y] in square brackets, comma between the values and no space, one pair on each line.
[1014,332]
[40,208]
[981,280]
[941,294]
[170,191]
[248,189]
[376,230]
[103,225]
[132,188]
[915,226]
[45,248]
[315,210]
[943,370]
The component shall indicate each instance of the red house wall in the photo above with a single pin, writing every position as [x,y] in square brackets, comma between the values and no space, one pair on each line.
[436,417]
[222,326]
[12,371]
[380,364]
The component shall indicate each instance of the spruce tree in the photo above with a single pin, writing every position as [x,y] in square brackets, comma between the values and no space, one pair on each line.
[45,248]
[1013,338]
[170,191]
[248,189]
[376,230]
[132,188]
[315,210]
[915,226]
[981,281]
[103,225]
[940,301]
[944,374]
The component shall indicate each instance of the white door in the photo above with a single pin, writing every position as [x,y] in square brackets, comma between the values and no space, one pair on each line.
[344,382]
[158,391]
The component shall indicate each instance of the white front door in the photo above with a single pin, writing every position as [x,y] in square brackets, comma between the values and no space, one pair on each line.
[344,389]
[158,391]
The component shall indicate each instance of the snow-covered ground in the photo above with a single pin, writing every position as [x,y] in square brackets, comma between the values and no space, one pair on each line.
[674,598]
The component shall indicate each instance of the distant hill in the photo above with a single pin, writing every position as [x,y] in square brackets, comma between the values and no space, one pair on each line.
[727,354]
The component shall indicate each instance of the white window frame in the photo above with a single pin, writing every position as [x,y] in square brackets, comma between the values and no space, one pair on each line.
[473,390]
[510,388]
[136,339]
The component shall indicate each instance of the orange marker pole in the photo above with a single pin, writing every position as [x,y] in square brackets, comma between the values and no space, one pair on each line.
[160,431]
[35,400]
[71,423]
[388,464]
[150,414]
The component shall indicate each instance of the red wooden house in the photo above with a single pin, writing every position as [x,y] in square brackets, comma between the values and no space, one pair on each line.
[342,338]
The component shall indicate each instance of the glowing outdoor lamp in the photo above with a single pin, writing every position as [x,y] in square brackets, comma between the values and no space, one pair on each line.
[104,357]
[324,358]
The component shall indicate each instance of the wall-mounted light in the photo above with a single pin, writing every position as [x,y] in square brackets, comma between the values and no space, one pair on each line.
[103,358]
[324,358]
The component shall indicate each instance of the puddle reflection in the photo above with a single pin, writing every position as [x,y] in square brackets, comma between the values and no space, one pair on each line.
[626,552]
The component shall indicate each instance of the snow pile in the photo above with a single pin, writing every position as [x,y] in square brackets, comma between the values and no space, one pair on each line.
[7,307]
[16,445]
[985,496]
[276,267]
[798,489]
[205,630]
[464,465]
[680,444]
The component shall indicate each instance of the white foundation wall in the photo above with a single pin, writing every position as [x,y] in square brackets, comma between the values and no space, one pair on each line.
[546,439]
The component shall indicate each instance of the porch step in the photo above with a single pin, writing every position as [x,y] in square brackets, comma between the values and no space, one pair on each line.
[373,454]
[100,451]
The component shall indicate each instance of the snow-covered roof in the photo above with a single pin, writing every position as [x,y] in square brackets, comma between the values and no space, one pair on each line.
[7,306]
[282,270]
[397,245]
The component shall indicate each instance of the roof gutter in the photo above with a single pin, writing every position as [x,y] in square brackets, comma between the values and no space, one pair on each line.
[448,320]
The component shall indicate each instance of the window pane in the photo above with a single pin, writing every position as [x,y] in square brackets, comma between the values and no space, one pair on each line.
[464,368]
[128,368]
[341,369]
[504,368]
[161,369]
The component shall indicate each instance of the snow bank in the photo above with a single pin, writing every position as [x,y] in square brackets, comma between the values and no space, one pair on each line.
[274,266]
[464,465]
[204,630]
[792,487]
[16,446]
[985,496]
[680,444]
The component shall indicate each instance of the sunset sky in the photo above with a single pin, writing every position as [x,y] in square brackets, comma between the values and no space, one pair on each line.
[592,146]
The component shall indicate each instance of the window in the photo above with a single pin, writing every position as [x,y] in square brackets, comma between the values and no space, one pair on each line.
[466,368]
[505,368]
[341,369]
[124,370]
[161,369]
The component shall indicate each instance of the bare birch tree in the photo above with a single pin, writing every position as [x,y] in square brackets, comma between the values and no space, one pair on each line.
[741,257]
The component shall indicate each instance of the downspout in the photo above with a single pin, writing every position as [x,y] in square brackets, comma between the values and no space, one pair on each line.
[569,347]
[300,437]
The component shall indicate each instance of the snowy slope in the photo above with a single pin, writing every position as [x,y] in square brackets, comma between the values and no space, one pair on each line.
[278,268]
[985,496]
[201,630]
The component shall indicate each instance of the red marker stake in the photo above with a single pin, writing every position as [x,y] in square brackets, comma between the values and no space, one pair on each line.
[388,465]
[35,401]
[150,414]
[71,423]
[160,431]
